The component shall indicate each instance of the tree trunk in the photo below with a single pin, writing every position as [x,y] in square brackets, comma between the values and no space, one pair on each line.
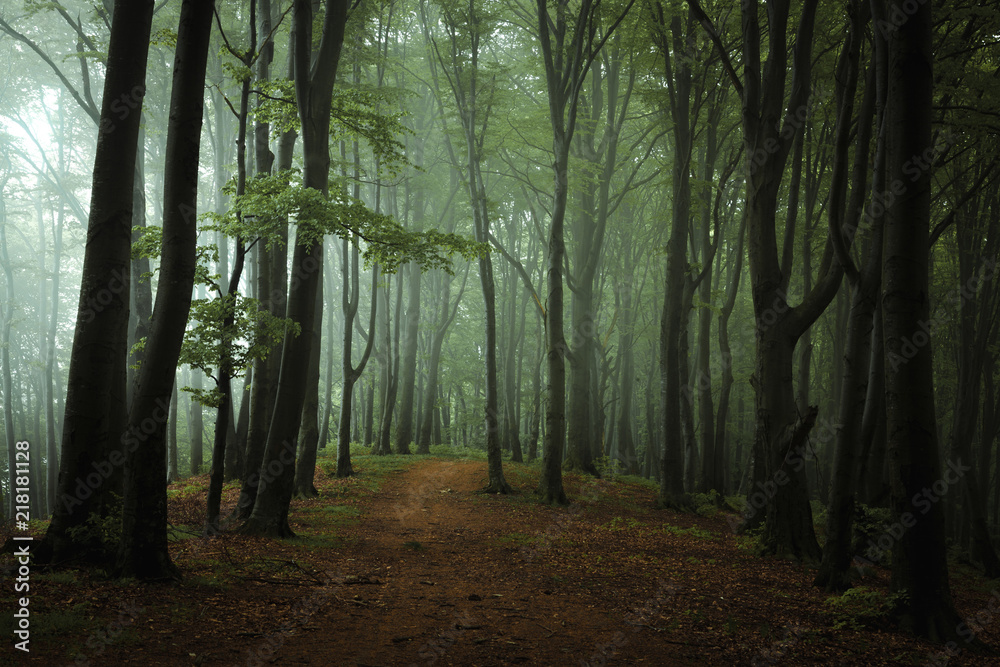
[349,303]
[272,292]
[408,374]
[196,426]
[8,388]
[673,318]
[919,563]
[857,364]
[51,442]
[313,91]
[143,553]
[91,440]
[173,472]
[726,360]
[331,328]
[305,467]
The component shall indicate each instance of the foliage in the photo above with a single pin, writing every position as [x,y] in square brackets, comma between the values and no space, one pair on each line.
[707,504]
[150,242]
[104,530]
[270,200]
[609,466]
[869,524]
[750,541]
[356,114]
[861,606]
[209,344]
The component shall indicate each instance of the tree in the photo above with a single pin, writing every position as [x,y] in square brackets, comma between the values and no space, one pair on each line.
[771,121]
[314,79]
[855,393]
[93,425]
[569,44]
[461,68]
[143,553]
[919,560]
[8,317]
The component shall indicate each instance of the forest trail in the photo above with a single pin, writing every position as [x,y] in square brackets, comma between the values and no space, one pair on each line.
[454,582]
[408,563]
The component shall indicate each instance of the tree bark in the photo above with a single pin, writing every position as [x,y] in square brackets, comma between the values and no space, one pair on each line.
[96,386]
[919,563]
[408,373]
[143,553]
[305,466]
[313,92]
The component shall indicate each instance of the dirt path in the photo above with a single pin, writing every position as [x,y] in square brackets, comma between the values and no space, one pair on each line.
[448,586]
[423,569]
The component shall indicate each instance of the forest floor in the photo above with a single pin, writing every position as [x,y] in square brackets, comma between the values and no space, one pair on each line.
[409,564]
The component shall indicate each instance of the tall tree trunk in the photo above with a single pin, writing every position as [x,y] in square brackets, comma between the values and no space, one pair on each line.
[331,329]
[854,383]
[626,340]
[919,563]
[272,292]
[726,360]
[568,45]
[143,553]
[351,374]
[390,368]
[51,442]
[971,354]
[673,317]
[173,471]
[305,467]
[511,426]
[92,427]
[140,290]
[313,93]
[445,318]
[408,372]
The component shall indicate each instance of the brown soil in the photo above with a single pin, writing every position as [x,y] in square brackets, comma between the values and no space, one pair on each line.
[432,572]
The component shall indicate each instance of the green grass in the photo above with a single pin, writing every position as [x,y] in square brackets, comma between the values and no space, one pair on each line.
[693,531]
[179,533]
[619,523]
[55,623]
[518,539]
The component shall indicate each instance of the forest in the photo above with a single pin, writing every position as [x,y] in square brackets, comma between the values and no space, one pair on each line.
[327,316]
